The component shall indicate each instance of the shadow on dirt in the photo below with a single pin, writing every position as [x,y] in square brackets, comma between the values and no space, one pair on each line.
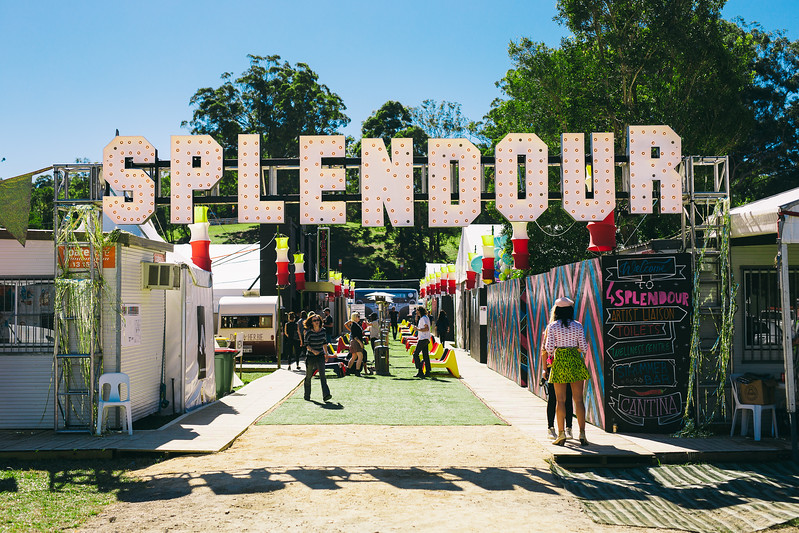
[172,486]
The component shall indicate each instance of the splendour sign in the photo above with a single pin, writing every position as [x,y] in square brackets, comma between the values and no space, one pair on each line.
[653,154]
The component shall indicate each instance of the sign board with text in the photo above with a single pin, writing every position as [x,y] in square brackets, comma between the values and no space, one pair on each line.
[78,257]
[647,329]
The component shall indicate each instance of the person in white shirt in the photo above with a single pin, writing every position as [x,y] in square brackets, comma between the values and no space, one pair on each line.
[422,343]
[565,339]
[374,330]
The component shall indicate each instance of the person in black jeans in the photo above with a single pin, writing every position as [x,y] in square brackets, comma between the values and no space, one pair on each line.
[442,325]
[291,339]
[328,324]
[393,314]
[315,342]
[552,399]
[301,333]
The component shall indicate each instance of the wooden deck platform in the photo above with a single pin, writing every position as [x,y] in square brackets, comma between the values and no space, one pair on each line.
[209,429]
[522,409]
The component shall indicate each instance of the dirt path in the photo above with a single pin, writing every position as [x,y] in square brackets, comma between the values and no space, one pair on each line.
[354,478]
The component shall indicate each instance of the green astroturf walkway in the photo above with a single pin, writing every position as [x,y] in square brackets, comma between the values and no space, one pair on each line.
[396,400]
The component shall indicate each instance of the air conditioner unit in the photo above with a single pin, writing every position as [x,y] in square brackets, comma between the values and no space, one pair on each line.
[161,276]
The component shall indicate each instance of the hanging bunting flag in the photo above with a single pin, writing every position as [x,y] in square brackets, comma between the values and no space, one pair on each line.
[15,204]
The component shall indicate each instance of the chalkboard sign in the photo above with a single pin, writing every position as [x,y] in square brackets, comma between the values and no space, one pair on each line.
[647,315]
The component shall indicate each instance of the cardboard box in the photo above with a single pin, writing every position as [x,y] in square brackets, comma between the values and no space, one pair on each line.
[757,392]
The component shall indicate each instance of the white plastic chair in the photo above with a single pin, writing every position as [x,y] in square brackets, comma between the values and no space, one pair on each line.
[757,413]
[114,380]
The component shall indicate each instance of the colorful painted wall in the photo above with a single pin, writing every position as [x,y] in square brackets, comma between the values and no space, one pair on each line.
[635,307]
[582,282]
[504,339]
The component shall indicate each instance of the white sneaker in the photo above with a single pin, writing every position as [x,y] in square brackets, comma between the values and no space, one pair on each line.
[569,434]
[552,434]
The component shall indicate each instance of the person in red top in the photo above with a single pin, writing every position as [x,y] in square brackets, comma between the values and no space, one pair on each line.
[565,340]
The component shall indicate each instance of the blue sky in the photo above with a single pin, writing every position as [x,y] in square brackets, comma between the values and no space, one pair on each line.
[73,72]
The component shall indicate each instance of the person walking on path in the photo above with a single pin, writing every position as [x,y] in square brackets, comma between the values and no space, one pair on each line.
[301,329]
[315,348]
[393,314]
[442,325]
[328,323]
[552,399]
[422,343]
[292,340]
[565,339]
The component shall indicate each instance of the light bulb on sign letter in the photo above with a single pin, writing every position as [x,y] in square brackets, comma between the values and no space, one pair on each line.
[138,150]
[441,155]
[251,208]
[196,165]
[536,161]
[314,179]
[654,153]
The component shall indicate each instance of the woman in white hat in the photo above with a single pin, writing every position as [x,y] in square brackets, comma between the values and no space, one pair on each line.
[565,338]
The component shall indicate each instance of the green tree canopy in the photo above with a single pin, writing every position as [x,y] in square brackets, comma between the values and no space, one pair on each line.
[724,88]
[271,98]
[392,120]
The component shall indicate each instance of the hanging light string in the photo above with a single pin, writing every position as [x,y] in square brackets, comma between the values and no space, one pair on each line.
[243,253]
[554,234]
[635,231]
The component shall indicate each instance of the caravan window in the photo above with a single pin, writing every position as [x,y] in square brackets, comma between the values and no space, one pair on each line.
[246,321]
[26,315]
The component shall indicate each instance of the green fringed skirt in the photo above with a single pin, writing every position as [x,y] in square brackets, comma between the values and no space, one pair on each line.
[568,366]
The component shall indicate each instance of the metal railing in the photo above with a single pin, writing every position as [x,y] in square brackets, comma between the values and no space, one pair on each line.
[26,314]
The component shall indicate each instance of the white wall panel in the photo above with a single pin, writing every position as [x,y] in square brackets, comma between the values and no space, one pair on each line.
[26,397]
[142,363]
[35,259]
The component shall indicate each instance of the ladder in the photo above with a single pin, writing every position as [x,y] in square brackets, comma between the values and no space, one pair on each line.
[77,356]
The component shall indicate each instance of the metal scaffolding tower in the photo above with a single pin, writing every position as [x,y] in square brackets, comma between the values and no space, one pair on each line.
[706,194]
[77,358]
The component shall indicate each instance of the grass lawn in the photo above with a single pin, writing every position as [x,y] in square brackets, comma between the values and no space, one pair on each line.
[56,494]
[247,377]
[398,400]
[219,234]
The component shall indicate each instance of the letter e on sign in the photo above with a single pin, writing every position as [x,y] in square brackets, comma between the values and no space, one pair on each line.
[314,179]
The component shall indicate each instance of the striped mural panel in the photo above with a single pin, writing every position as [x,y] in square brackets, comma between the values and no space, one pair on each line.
[504,337]
[524,339]
[582,282]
